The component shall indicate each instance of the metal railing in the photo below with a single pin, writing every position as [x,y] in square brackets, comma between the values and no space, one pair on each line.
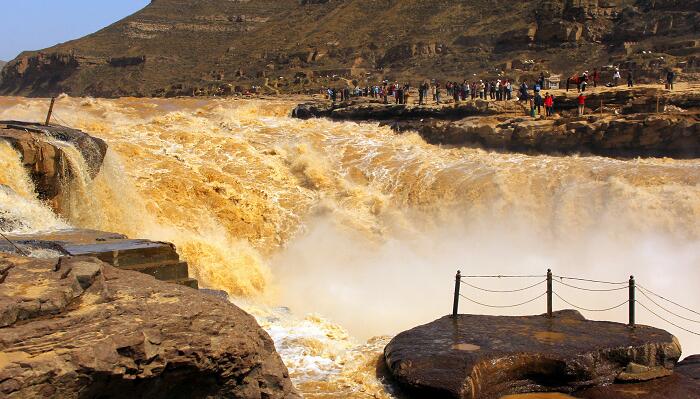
[549,279]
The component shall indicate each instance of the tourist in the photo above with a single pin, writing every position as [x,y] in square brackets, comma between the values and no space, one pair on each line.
[523,92]
[581,104]
[596,77]
[616,77]
[509,90]
[630,80]
[539,102]
[670,77]
[549,105]
[420,94]
[492,90]
[437,93]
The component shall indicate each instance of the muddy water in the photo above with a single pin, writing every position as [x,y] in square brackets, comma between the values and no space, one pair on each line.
[333,233]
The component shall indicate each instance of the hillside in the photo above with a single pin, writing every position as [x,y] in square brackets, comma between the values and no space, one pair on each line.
[2,63]
[198,47]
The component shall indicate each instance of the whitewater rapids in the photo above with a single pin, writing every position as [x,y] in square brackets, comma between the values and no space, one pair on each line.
[332,233]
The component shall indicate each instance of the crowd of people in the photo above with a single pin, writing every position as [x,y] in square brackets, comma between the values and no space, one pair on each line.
[496,90]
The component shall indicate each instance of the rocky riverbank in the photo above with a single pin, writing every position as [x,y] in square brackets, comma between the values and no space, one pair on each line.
[491,356]
[77,327]
[620,123]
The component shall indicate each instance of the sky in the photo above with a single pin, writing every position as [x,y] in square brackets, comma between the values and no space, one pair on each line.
[37,24]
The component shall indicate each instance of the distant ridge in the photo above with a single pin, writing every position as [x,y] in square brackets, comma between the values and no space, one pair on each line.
[205,47]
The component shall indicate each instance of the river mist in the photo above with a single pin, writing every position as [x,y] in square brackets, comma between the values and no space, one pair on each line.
[334,233]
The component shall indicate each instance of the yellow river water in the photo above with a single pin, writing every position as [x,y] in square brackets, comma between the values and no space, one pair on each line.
[334,233]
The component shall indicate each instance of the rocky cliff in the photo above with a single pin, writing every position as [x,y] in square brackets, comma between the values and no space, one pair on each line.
[197,47]
[47,161]
[79,328]
[625,123]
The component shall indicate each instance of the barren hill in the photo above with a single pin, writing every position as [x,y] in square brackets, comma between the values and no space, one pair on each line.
[190,47]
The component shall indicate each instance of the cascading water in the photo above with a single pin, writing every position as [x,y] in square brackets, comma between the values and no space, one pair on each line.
[20,210]
[365,227]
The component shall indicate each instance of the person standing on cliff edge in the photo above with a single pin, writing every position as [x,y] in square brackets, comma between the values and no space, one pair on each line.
[596,77]
[581,104]
[670,77]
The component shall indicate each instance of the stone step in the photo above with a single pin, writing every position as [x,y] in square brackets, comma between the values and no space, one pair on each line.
[124,253]
[158,259]
[162,271]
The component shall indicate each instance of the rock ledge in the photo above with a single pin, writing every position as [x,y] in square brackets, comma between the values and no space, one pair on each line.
[491,356]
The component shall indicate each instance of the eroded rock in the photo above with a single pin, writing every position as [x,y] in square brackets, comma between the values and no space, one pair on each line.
[43,153]
[86,329]
[491,356]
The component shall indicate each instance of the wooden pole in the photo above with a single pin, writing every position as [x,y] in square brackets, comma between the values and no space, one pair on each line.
[549,293]
[48,116]
[633,300]
[455,303]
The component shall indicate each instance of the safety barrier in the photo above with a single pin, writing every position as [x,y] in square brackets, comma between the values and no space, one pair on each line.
[550,279]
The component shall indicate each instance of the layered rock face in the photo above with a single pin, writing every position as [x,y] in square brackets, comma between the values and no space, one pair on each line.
[77,327]
[47,161]
[207,47]
[684,383]
[634,135]
[491,356]
[626,123]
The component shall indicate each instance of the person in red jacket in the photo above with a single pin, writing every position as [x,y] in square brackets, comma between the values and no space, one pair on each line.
[581,104]
[549,105]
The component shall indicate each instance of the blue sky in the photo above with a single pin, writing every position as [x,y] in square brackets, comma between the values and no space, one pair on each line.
[37,24]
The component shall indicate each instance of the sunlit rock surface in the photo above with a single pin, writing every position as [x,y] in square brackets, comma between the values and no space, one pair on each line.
[80,328]
[491,356]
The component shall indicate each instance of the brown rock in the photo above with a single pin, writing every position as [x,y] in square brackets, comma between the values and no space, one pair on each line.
[90,330]
[47,163]
[676,386]
[490,356]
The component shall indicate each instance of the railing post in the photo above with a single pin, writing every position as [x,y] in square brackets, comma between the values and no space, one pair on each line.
[549,292]
[455,304]
[48,116]
[632,288]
